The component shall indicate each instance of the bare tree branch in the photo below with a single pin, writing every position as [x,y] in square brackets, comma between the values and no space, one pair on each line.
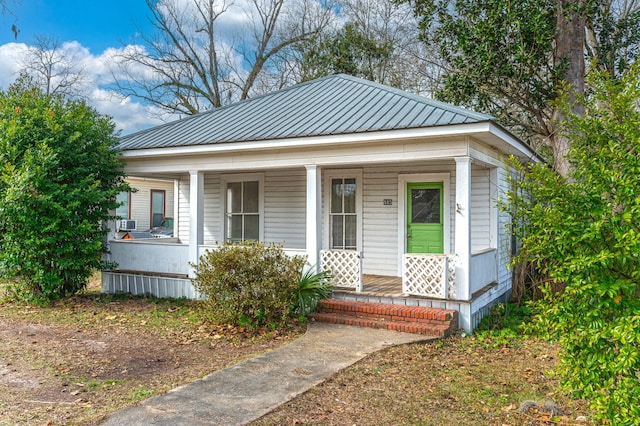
[55,69]
[197,59]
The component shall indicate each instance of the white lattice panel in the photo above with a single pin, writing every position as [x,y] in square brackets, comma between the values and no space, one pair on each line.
[452,262]
[344,266]
[427,275]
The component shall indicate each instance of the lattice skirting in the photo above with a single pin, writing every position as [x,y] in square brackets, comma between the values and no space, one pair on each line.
[428,275]
[345,267]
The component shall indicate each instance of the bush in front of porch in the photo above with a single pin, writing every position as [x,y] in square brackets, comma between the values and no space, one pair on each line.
[253,285]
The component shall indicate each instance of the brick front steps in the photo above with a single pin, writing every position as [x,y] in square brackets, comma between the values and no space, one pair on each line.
[410,319]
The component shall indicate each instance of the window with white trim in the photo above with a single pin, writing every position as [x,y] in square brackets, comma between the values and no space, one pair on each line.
[343,217]
[242,211]
[122,211]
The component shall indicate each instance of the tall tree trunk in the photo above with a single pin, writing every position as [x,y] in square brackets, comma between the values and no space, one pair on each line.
[570,45]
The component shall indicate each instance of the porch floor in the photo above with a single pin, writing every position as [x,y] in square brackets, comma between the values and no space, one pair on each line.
[380,285]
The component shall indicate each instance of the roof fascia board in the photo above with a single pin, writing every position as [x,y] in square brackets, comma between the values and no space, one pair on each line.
[302,142]
[471,129]
[514,142]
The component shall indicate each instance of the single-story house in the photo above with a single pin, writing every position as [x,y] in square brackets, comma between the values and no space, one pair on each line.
[370,182]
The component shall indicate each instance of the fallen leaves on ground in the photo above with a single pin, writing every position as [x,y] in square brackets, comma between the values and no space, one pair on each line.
[456,381]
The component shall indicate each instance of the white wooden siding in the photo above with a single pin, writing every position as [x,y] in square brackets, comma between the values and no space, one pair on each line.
[380,222]
[480,209]
[285,210]
[324,156]
[504,236]
[140,201]
[183,209]
[285,207]
[213,210]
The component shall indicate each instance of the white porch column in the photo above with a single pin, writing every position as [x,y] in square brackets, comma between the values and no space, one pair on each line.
[196,215]
[463,227]
[314,216]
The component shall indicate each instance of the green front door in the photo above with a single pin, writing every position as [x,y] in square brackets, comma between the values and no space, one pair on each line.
[425,217]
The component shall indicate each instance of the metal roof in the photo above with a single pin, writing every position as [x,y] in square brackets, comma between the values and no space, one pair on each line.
[337,104]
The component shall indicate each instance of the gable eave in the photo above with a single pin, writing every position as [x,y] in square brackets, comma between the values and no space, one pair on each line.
[487,131]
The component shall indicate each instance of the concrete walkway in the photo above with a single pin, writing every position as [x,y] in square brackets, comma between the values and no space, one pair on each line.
[248,390]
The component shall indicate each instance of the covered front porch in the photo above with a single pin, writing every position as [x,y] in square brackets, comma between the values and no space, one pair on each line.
[364,243]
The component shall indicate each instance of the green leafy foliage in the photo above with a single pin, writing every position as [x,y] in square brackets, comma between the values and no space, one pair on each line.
[504,326]
[510,58]
[59,178]
[584,233]
[350,51]
[618,36]
[250,285]
[499,57]
[313,286]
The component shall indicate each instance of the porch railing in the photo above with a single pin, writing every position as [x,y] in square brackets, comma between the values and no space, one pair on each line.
[429,275]
[158,255]
[345,267]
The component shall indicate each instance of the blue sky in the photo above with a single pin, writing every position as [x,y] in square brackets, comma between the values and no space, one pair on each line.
[96,24]
[91,32]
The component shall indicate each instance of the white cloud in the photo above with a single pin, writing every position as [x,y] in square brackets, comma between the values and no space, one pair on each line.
[235,28]
[128,114]
[10,56]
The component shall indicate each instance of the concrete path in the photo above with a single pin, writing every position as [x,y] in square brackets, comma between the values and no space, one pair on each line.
[248,390]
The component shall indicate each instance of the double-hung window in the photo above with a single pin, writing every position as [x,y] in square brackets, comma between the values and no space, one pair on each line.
[343,213]
[242,210]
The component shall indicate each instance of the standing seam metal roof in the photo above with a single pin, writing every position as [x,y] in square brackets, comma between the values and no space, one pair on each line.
[337,104]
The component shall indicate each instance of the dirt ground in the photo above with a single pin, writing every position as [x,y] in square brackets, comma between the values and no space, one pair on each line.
[75,362]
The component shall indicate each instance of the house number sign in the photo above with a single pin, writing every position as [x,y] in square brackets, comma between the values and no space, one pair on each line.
[387,202]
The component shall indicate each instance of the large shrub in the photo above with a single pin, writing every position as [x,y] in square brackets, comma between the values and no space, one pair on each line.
[250,284]
[59,178]
[584,233]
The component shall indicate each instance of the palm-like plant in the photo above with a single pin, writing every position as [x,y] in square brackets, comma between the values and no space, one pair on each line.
[312,287]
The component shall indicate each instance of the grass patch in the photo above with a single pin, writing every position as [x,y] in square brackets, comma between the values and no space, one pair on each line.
[504,326]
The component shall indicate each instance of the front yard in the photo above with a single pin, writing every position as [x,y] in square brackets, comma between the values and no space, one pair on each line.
[78,360]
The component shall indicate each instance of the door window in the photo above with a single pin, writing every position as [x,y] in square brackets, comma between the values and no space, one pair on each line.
[425,205]
[425,226]
[342,214]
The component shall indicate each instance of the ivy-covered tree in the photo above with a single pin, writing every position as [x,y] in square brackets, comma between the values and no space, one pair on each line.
[512,59]
[350,51]
[59,178]
[584,234]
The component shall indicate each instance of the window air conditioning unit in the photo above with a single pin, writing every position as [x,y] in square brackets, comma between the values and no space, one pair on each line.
[127,225]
